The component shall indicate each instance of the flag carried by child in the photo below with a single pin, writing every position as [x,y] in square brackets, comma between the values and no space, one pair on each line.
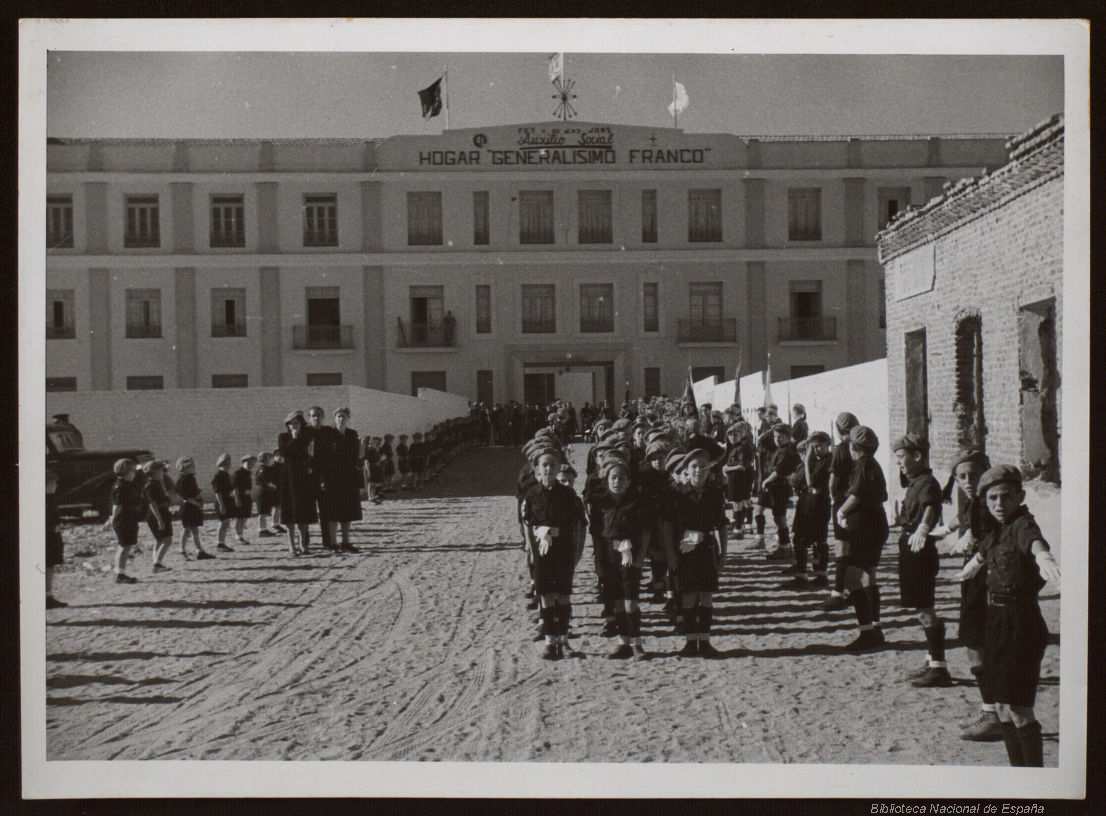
[430,98]
[689,394]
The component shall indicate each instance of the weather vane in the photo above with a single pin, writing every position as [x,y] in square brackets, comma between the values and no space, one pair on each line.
[564,96]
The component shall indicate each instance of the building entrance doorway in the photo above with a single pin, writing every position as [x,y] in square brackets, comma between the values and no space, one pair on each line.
[538,387]
[591,382]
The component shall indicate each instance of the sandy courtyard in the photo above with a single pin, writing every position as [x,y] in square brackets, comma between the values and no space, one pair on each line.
[420,648]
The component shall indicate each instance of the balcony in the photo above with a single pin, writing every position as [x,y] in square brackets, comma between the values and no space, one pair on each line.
[714,331]
[807,329]
[539,326]
[426,335]
[322,336]
[228,330]
[54,332]
[592,325]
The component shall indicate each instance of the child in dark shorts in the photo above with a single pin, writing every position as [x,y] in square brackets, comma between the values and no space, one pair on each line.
[243,497]
[699,527]
[968,528]
[864,523]
[127,510]
[739,470]
[619,522]
[918,561]
[566,475]
[264,493]
[191,509]
[403,462]
[374,467]
[812,510]
[387,463]
[550,514]
[775,490]
[158,517]
[223,487]
[841,464]
[1019,563]
[276,476]
[418,460]
[55,546]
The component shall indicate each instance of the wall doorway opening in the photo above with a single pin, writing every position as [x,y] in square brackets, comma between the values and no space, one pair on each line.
[917,399]
[971,430]
[1040,389]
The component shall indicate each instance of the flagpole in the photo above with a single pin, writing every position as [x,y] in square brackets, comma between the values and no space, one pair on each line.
[445,77]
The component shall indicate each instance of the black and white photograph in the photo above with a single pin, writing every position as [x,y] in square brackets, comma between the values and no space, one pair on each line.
[478,408]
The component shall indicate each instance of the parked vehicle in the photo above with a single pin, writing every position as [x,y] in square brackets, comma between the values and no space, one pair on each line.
[84,477]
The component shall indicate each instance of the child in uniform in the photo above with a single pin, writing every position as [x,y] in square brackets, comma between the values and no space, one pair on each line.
[126,510]
[841,464]
[418,460]
[298,487]
[403,462]
[276,477]
[1019,563]
[566,475]
[799,428]
[653,484]
[223,487]
[158,517]
[864,522]
[969,528]
[263,490]
[243,497]
[549,510]
[619,521]
[699,521]
[739,470]
[918,561]
[387,463]
[191,509]
[775,490]
[374,471]
[812,510]
[55,546]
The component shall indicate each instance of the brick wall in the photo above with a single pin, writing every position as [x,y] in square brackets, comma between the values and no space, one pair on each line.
[993,264]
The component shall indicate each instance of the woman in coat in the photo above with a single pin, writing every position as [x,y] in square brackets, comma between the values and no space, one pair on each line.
[298,485]
[343,496]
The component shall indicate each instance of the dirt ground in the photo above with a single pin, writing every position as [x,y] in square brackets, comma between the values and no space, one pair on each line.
[420,648]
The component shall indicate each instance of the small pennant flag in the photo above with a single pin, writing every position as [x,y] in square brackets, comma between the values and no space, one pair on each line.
[430,98]
[679,99]
[556,66]
[768,383]
[689,394]
[737,387]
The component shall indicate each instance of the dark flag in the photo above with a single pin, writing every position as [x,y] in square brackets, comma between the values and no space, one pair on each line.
[689,397]
[430,98]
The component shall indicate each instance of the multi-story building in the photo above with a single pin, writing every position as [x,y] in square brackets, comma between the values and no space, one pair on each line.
[507,262]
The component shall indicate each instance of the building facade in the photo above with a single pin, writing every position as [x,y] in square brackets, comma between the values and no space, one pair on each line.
[511,262]
[974,311]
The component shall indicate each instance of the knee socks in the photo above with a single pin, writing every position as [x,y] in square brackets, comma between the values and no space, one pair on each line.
[821,556]
[984,691]
[548,621]
[706,619]
[935,639]
[1029,736]
[863,606]
[800,555]
[782,532]
[635,624]
[1013,743]
[564,617]
[839,576]
[760,524]
[873,605]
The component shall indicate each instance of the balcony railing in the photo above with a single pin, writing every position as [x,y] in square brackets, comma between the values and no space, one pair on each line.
[228,330]
[807,328]
[713,331]
[596,324]
[322,337]
[426,334]
[539,326]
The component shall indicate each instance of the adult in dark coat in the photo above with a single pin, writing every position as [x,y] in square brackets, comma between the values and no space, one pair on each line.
[298,486]
[343,494]
[322,465]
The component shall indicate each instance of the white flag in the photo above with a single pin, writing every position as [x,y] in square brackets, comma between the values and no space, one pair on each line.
[556,66]
[679,99]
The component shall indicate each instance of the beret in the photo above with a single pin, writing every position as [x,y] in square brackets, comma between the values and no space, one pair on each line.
[655,447]
[612,463]
[248,457]
[622,424]
[781,427]
[293,415]
[263,454]
[567,468]
[224,459]
[316,409]
[820,436]
[151,466]
[694,453]
[971,455]
[845,422]
[997,475]
[864,438]
[344,411]
[911,442]
[700,442]
[544,450]
[672,461]
[183,462]
[121,466]
[798,408]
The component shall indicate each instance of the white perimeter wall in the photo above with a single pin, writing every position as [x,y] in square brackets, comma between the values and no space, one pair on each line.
[205,422]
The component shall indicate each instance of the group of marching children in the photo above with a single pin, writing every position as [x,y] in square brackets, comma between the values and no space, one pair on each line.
[660,491]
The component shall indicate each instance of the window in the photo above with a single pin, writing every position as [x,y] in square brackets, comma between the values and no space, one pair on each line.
[143,227]
[804,214]
[597,307]
[484,392]
[892,201]
[650,309]
[424,219]
[324,327]
[539,309]
[648,216]
[704,215]
[805,370]
[59,314]
[228,312]
[427,328]
[535,217]
[703,372]
[481,229]
[320,220]
[970,418]
[594,210]
[1040,389]
[806,321]
[652,382]
[325,378]
[61,383]
[143,313]
[230,380]
[228,227]
[427,379]
[59,222]
[483,309]
[146,382]
[706,304]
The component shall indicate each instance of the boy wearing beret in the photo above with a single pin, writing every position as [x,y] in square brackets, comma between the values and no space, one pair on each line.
[841,464]
[864,523]
[223,488]
[918,562]
[1019,563]
[127,508]
[775,490]
[812,510]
